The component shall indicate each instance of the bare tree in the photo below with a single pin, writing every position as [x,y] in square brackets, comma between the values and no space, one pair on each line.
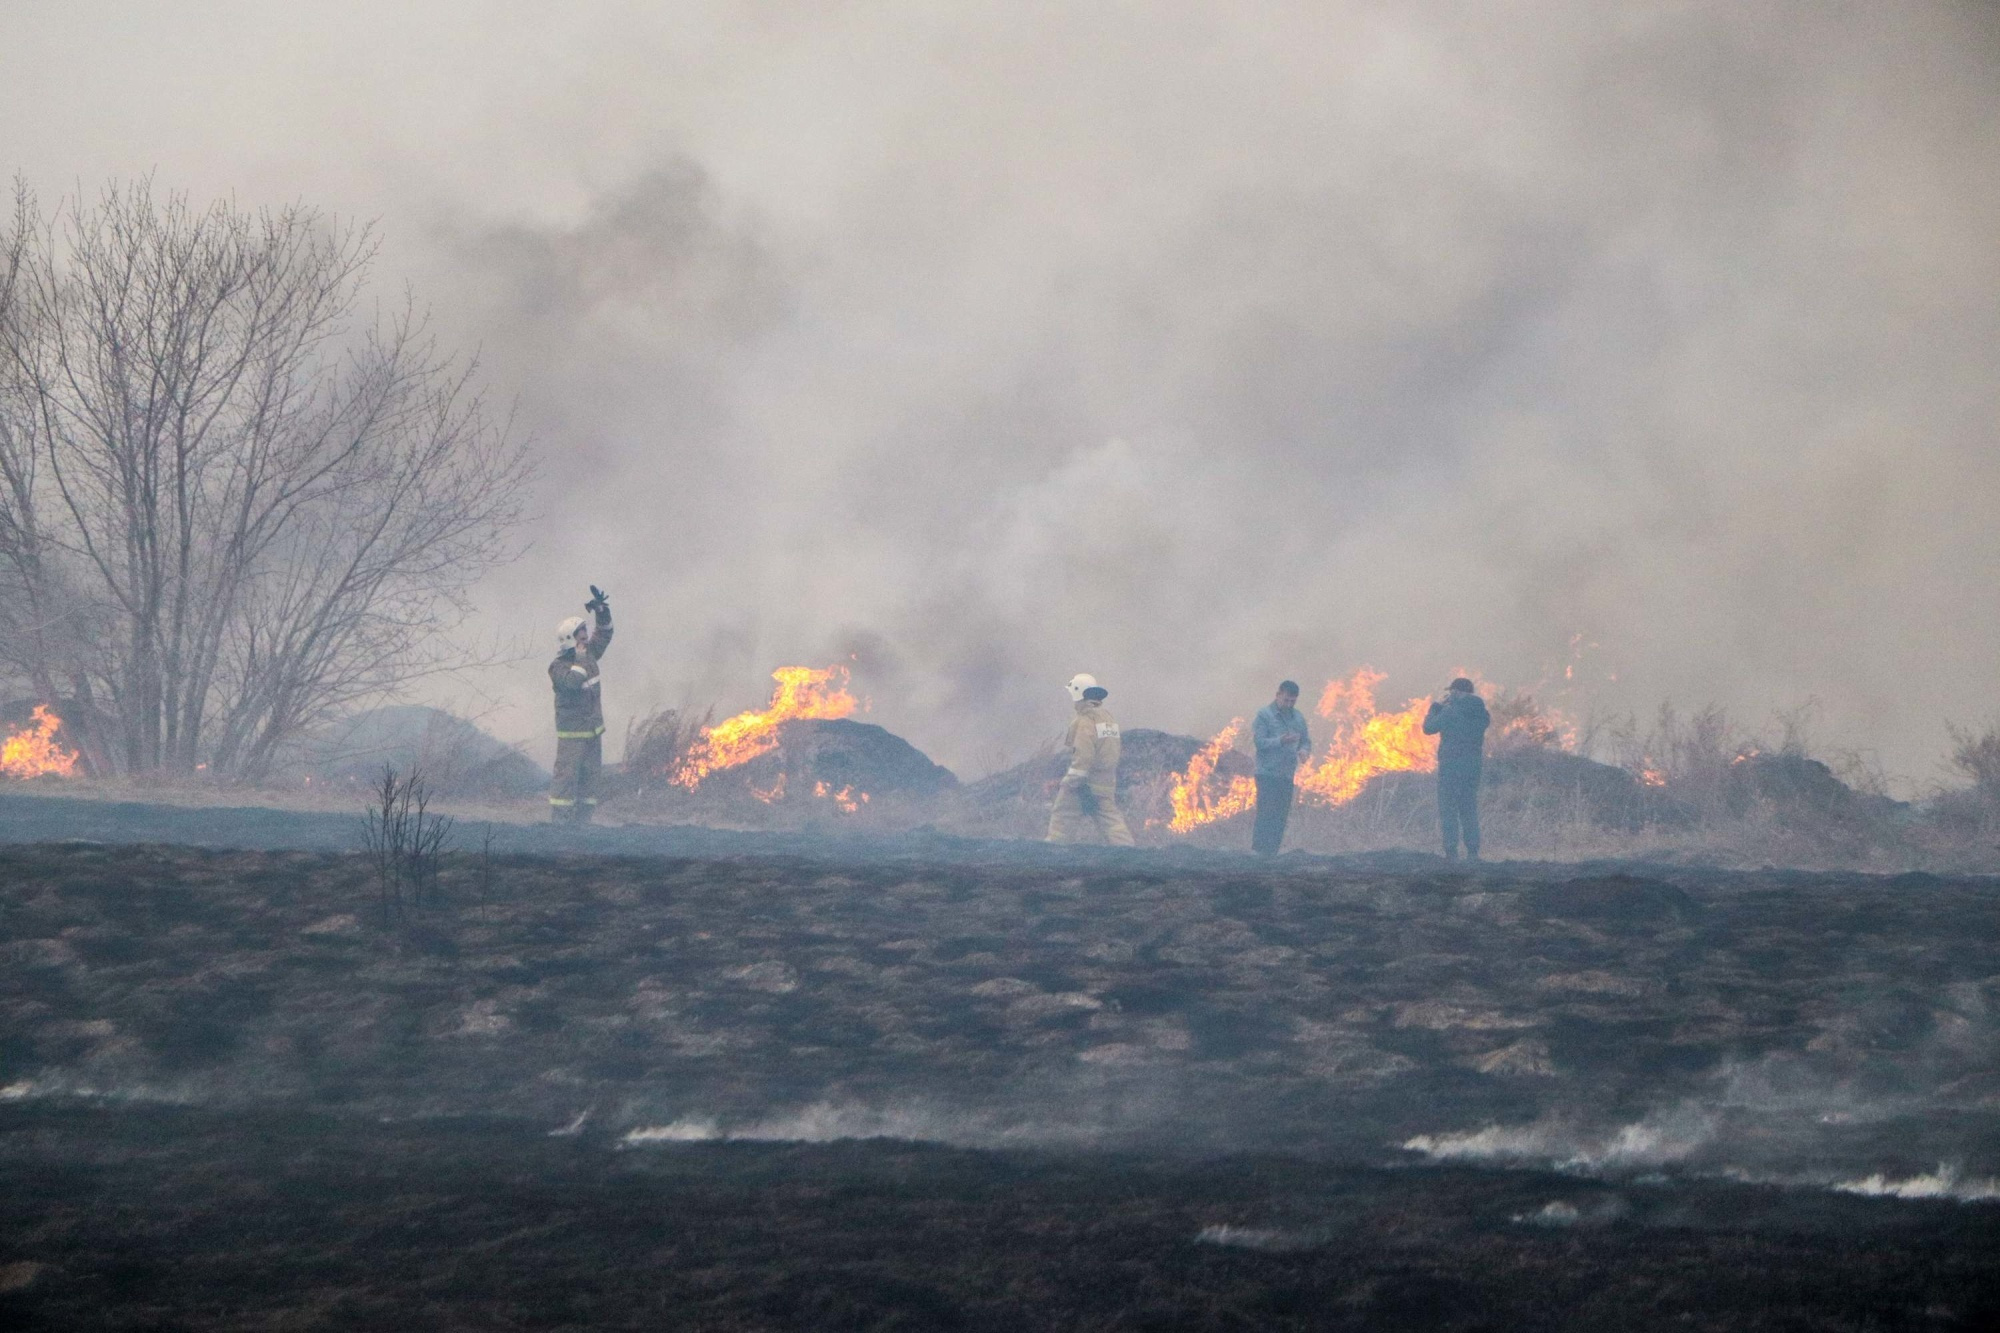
[228,507]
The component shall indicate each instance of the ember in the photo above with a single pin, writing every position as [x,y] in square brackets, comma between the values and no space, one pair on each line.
[847,800]
[34,753]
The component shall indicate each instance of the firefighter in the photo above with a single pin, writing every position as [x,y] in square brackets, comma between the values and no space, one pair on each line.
[1090,786]
[579,711]
[1459,720]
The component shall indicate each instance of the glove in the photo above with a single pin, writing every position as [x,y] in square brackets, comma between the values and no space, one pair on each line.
[600,601]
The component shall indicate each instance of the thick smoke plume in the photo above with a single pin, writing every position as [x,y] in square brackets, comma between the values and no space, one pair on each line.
[1190,346]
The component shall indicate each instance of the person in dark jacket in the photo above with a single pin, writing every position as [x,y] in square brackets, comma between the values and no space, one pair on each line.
[579,711]
[1459,720]
[1281,740]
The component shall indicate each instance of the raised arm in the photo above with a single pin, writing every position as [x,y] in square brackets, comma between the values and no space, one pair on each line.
[599,606]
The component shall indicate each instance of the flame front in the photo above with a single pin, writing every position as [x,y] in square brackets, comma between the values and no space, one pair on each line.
[803,692]
[1193,803]
[1364,743]
[34,752]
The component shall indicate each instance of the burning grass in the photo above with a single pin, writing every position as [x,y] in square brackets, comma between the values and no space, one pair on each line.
[798,761]
[34,752]
[802,694]
[1686,786]
[1362,743]
[1695,787]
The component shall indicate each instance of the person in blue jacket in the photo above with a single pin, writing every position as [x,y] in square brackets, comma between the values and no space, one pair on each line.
[1281,740]
[1459,720]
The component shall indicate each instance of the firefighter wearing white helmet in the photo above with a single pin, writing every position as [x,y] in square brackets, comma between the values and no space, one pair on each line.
[579,711]
[1089,788]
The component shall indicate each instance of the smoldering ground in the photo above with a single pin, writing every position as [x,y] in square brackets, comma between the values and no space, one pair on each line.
[732,1087]
[1192,348]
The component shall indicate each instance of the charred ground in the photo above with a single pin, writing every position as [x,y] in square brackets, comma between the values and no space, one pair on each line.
[991,1086]
[182,1219]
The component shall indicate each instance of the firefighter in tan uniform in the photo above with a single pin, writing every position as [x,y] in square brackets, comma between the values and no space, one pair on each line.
[1089,790]
[579,711]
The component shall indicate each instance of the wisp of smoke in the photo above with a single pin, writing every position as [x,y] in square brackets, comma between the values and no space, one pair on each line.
[1943,1183]
[829,1122]
[63,1086]
[1658,1140]
[1270,1240]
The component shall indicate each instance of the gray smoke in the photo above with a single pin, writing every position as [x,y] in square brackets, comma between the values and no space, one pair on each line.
[1193,346]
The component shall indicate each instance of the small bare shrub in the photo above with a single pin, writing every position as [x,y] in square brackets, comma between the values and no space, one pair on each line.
[486,860]
[657,744]
[1965,821]
[1519,723]
[1977,756]
[404,842]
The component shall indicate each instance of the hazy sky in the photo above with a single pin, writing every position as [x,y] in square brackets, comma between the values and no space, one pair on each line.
[1191,345]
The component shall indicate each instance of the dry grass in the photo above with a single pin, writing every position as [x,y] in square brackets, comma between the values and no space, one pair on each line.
[657,744]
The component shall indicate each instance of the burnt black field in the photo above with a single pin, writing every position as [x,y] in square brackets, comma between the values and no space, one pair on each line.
[722,1081]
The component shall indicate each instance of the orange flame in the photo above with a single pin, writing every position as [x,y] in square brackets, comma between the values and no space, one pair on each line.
[32,753]
[1193,803]
[1541,729]
[803,692]
[1365,743]
[1652,777]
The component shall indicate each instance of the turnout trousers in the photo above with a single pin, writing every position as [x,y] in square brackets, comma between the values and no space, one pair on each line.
[1458,810]
[1274,810]
[578,759]
[1079,804]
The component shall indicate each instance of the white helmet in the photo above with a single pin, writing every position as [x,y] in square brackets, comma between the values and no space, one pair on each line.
[1078,683]
[571,632]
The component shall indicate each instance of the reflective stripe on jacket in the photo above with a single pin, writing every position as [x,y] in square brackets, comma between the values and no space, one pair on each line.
[579,701]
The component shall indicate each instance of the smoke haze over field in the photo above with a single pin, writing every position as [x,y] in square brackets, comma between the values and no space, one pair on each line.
[1190,345]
